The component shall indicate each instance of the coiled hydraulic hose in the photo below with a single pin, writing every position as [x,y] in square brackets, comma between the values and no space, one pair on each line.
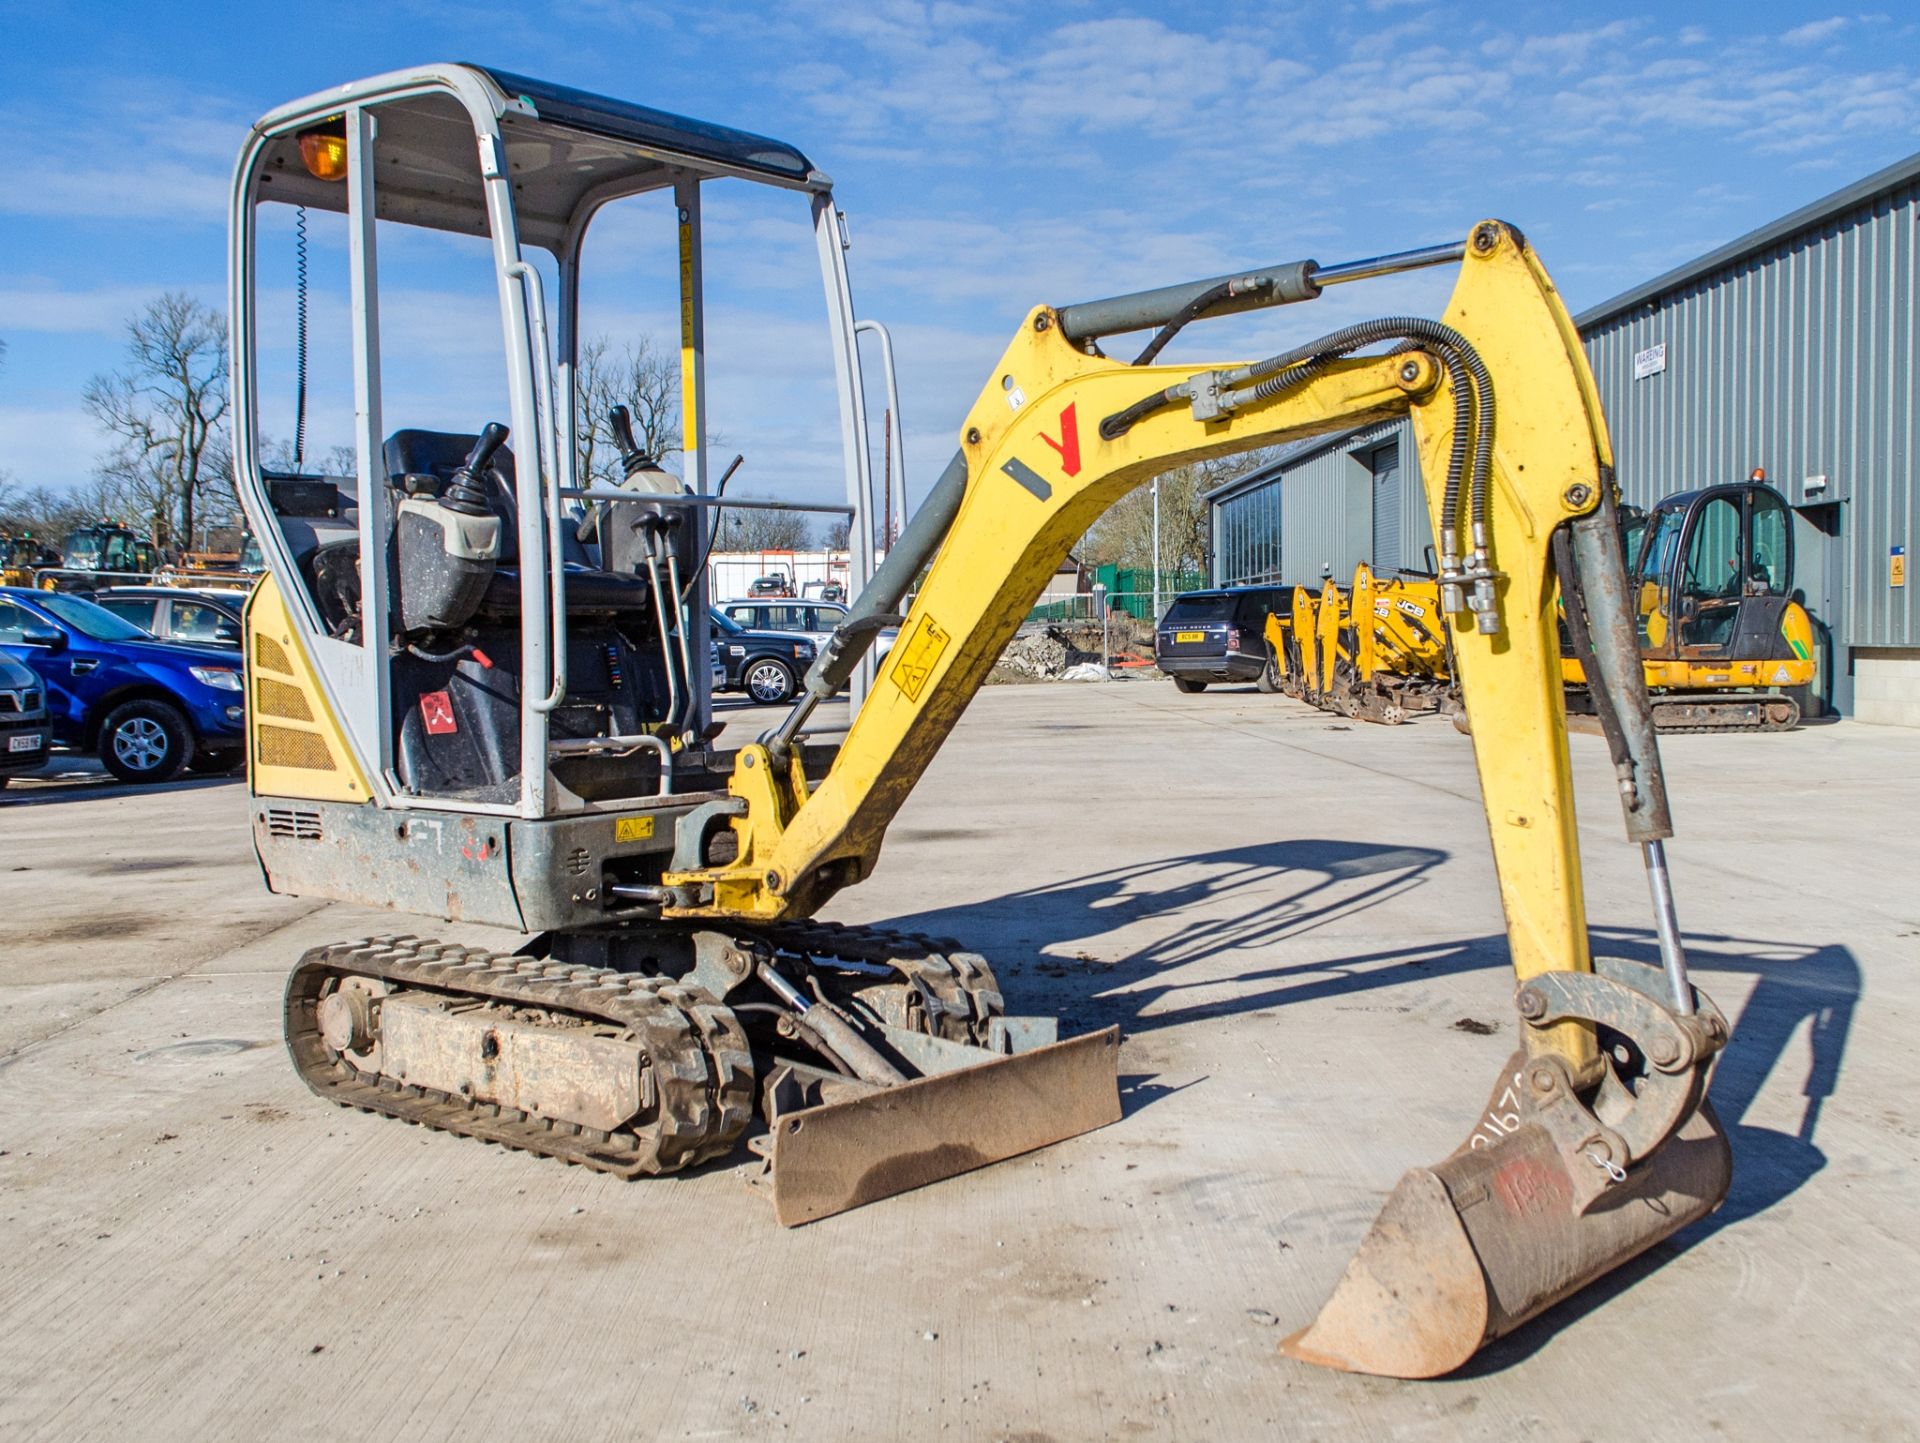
[299,337]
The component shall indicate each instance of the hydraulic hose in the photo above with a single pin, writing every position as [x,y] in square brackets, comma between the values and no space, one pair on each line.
[1207,298]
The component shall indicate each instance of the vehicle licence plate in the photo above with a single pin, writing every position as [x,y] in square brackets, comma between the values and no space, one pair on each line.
[1189,636]
[28,743]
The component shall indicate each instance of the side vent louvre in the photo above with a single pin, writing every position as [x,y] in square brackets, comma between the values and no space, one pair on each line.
[296,822]
[285,747]
[267,653]
[276,698]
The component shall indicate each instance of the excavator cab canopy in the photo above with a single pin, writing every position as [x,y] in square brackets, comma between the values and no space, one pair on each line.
[568,152]
[1714,568]
[590,657]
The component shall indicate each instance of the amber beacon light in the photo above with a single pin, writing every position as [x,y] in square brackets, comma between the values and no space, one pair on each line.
[323,149]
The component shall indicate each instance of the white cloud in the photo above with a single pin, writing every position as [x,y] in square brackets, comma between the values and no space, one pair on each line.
[126,148]
[47,308]
[1815,31]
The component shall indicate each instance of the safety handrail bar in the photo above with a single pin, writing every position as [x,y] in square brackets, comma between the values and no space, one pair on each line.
[893,401]
[718,503]
[547,445]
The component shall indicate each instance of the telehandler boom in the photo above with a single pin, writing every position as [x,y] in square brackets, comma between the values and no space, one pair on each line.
[473,696]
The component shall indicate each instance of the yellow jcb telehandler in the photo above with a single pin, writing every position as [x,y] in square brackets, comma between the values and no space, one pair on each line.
[477,690]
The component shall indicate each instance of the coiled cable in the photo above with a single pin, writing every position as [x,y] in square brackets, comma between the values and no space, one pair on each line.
[299,336]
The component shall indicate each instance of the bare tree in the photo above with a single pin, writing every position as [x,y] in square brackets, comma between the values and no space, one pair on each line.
[644,380]
[43,512]
[763,530]
[838,533]
[164,410]
[1124,535]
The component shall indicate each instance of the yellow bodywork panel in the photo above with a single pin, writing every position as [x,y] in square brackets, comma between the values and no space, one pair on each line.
[1398,626]
[296,747]
[1039,472]
[1329,618]
[1306,614]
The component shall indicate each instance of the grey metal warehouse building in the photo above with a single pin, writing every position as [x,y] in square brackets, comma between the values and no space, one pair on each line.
[1796,348]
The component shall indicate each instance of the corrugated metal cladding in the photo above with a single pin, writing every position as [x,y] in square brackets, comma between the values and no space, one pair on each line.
[1338,502]
[1795,348]
[1802,356]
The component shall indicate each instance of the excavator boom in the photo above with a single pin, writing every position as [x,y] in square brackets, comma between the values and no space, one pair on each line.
[1584,1157]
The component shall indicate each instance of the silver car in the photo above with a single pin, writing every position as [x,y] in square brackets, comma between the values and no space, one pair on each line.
[814,619]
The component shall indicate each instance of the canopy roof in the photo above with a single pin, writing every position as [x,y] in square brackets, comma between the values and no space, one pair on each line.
[563,147]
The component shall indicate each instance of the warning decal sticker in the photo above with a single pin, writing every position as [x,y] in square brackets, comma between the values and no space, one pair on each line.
[915,658]
[436,710]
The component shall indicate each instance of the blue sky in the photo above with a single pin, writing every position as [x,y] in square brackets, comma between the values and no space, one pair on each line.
[990,156]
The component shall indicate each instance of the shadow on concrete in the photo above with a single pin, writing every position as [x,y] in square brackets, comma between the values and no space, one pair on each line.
[82,781]
[1795,986]
[1325,881]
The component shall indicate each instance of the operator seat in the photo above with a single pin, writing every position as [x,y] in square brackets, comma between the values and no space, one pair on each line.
[589,589]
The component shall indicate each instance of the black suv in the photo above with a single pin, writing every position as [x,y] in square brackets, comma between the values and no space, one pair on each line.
[25,733]
[766,665]
[1209,636]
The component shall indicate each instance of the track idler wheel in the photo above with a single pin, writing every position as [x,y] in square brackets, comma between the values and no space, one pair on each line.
[1554,1188]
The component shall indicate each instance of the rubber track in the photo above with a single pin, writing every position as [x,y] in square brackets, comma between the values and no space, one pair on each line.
[1675,729]
[701,1071]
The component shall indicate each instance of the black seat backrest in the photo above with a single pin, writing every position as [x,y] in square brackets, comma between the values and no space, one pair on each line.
[438,454]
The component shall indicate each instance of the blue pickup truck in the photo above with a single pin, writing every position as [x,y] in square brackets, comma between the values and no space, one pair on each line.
[148,709]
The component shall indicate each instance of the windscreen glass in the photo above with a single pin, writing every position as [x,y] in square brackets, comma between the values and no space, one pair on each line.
[90,620]
[1200,608]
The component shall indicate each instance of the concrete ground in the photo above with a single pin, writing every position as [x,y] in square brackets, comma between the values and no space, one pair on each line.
[1293,918]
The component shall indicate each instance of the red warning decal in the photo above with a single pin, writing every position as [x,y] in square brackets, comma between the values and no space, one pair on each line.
[436,710]
[1069,443]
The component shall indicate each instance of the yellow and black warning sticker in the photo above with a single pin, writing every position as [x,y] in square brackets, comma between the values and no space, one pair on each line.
[632,829]
[915,658]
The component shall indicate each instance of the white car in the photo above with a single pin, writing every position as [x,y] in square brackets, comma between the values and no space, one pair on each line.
[814,619]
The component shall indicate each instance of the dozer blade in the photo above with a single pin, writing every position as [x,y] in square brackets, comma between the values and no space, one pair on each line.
[824,1160]
[1466,1252]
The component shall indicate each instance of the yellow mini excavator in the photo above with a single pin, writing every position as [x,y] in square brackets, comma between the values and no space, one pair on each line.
[477,690]
[1724,644]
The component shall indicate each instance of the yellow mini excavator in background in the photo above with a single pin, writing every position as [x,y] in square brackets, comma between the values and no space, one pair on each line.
[1724,646]
[473,694]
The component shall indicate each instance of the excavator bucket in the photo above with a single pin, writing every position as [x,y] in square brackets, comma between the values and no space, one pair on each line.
[1466,1252]
[833,1144]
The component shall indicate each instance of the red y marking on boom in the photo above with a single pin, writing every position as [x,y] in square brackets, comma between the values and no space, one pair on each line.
[1069,443]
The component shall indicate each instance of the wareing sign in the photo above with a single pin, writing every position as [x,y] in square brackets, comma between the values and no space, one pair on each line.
[1650,362]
